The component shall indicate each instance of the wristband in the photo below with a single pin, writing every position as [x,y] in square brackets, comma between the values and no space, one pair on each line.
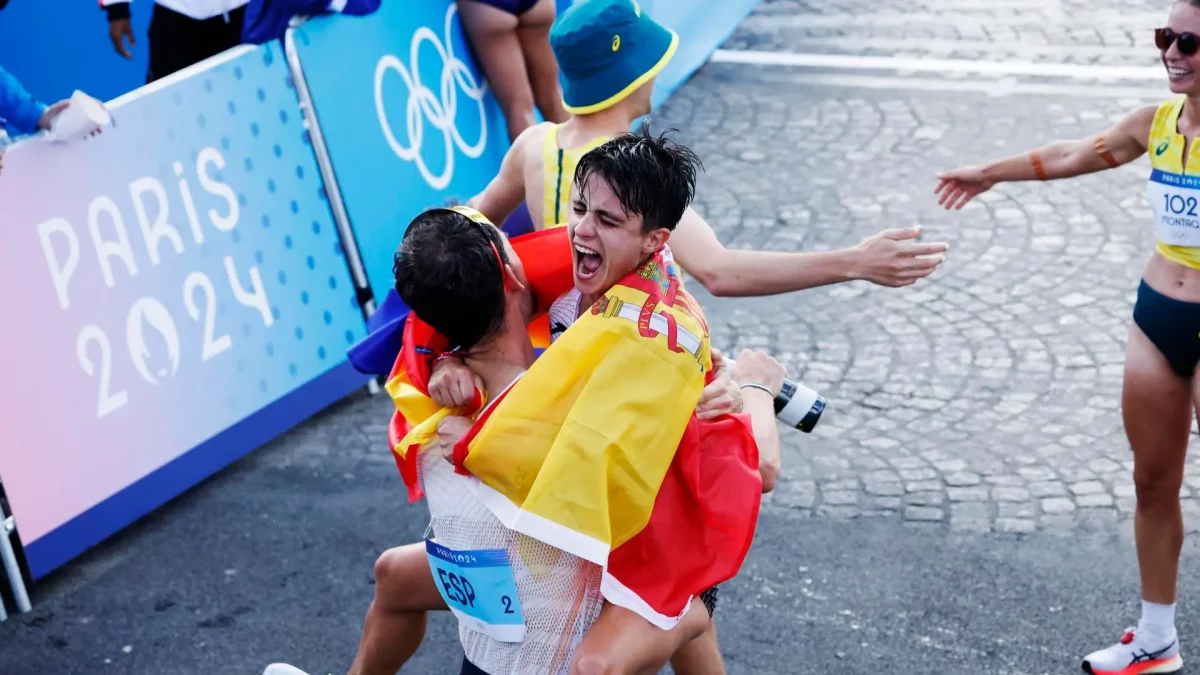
[755,385]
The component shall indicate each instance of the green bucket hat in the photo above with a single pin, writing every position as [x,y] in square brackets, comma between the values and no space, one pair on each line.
[606,49]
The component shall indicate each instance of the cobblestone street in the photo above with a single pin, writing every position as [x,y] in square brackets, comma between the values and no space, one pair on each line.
[988,396]
[965,504]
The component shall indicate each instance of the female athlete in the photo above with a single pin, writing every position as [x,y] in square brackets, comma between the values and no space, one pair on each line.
[1160,389]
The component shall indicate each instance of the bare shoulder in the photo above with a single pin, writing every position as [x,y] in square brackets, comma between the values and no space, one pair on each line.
[533,136]
[530,141]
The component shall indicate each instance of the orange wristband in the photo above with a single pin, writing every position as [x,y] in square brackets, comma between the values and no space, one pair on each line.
[1105,154]
[1038,169]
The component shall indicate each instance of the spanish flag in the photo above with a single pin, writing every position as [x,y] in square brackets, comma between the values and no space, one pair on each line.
[547,258]
[596,451]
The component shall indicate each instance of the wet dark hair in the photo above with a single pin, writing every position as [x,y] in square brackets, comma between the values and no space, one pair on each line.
[446,272]
[652,176]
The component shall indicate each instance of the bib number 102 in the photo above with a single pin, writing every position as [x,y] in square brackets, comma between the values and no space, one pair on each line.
[1179,205]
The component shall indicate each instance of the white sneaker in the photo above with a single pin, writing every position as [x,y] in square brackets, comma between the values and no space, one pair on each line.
[1135,655]
[283,669]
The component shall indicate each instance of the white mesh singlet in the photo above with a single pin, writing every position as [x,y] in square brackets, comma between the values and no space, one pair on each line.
[559,593]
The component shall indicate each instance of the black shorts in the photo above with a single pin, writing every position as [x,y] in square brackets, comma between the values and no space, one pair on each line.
[709,598]
[1172,325]
[469,668]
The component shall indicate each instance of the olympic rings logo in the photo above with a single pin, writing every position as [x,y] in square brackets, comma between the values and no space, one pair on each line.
[424,106]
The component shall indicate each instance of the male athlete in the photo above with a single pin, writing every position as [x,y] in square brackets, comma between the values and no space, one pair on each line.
[609,53]
[450,270]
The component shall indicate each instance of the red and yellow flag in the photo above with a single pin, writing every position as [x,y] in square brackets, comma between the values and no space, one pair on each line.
[596,451]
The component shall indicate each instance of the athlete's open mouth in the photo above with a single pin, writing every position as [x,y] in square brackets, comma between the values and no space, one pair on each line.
[587,262]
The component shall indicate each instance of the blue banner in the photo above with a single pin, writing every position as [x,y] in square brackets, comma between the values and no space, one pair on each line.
[406,115]
[182,294]
[57,46]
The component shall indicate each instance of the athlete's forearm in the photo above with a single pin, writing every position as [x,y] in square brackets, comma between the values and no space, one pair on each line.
[1063,159]
[736,273]
[761,407]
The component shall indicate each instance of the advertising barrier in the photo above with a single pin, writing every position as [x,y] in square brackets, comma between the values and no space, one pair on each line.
[406,117]
[175,294]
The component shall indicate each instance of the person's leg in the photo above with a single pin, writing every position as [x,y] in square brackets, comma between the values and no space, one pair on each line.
[534,34]
[161,39]
[701,656]
[1157,407]
[625,643]
[493,34]
[395,623]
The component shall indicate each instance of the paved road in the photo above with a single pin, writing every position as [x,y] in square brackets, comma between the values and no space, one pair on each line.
[965,504]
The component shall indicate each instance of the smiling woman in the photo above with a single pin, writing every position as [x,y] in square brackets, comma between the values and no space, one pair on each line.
[1163,350]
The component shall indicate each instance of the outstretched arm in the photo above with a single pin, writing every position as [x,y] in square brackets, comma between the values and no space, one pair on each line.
[1120,144]
[892,257]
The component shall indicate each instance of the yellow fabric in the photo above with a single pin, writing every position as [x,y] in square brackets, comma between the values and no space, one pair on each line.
[421,412]
[418,409]
[1166,150]
[585,439]
[558,167]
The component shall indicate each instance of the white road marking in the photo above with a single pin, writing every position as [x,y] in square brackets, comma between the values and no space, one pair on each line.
[997,88]
[1009,68]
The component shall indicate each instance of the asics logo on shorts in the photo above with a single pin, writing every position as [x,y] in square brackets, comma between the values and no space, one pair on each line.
[1162,147]
[424,107]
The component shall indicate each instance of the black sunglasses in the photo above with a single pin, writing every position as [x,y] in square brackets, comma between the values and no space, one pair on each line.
[1188,43]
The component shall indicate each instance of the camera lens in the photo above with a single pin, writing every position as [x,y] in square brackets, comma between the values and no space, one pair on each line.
[798,406]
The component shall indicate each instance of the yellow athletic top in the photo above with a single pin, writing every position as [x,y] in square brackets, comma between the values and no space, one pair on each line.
[1174,189]
[559,169]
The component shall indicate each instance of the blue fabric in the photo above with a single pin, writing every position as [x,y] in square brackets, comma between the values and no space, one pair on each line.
[603,46]
[19,111]
[267,20]
[376,353]
[514,7]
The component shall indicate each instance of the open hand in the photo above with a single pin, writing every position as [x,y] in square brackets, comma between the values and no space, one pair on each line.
[895,258]
[956,188]
[119,31]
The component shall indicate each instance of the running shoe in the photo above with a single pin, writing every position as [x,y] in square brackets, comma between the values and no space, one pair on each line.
[283,669]
[1135,655]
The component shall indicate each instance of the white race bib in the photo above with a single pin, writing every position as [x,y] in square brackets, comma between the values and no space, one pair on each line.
[1175,200]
